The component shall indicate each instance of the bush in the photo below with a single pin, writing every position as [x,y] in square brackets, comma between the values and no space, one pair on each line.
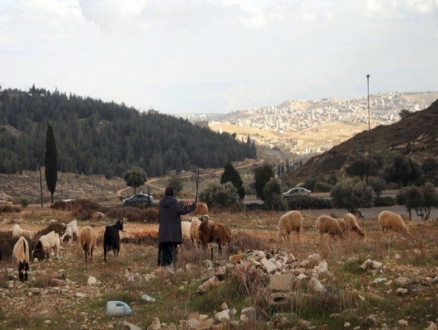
[384,201]
[273,197]
[133,214]
[306,202]
[83,209]
[9,208]
[222,196]
[322,187]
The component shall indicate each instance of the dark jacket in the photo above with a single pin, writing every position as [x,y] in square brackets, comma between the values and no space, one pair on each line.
[169,218]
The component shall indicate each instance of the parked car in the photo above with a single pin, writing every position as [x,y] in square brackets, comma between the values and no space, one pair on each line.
[294,192]
[138,199]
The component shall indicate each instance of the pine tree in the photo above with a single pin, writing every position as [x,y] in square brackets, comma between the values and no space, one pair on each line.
[51,161]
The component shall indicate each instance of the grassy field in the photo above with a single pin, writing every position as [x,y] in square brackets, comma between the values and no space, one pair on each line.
[57,295]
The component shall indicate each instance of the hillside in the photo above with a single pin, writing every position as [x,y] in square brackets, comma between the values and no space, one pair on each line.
[94,137]
[415,135]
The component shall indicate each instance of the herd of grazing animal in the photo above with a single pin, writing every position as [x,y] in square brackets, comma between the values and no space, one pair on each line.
[340,227]
[198,230]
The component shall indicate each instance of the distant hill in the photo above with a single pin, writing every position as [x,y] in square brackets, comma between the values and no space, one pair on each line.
[95,137]
[299,129]
[415,135]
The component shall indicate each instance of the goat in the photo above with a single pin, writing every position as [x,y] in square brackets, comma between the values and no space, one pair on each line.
[211,231]
[111,238]
[45,244]
[17,231]
[21,255]
[201,208]
[70,231]
[88,238]
[194,229]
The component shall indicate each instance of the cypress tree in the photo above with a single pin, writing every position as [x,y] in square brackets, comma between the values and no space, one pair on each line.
[51,160]
[231,175]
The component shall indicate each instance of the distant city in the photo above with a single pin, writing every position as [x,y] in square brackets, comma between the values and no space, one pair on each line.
[299,115]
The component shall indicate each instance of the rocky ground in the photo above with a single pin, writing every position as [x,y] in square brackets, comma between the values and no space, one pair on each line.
[381,282]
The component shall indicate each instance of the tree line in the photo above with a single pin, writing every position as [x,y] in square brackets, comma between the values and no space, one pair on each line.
[96,137]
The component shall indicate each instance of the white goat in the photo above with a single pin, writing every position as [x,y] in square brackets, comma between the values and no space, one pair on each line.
[71,230]
[21,255]
[194,229]
[46,244]
[17,231]
[185,228]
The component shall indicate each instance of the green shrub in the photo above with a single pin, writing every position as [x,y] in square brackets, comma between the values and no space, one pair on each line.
[134,214]
[9,208]
[322,187]
[384,201]
[306,202]
[221,196]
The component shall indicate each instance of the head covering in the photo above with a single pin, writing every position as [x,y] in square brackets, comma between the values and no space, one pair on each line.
[169,191]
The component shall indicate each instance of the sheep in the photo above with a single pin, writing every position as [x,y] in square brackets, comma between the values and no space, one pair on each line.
[327,224]
[211,231]
[111,238]
[185,227]
[351,224]
[341,222]
[45,244]
[17,231]
[389,220]
[21,255]
[290,221]
[201,208]
[88,239]
[71,231]
[194,229]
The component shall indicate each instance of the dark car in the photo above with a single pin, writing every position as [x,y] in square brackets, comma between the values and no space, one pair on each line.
[138,199]
[295,192]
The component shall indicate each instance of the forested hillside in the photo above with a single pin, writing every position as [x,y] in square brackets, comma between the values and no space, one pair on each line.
[95,137]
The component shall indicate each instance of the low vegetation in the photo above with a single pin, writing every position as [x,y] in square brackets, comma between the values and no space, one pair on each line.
[57,295]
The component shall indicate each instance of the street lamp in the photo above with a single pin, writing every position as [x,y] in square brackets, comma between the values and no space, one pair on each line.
[369,125]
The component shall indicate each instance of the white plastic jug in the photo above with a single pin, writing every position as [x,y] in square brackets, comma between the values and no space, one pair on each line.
[117,308]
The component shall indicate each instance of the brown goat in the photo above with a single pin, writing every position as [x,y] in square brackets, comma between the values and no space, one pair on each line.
[201,208]
[213,232]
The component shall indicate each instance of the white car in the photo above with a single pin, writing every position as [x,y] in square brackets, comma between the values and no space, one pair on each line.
[296,192]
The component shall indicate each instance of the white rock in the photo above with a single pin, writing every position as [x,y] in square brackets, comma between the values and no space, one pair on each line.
[403,323]
[316,285]
[322,267]
[91,280]
[223,316]
[401,291]
[432,326]
[147,298]
[268,265]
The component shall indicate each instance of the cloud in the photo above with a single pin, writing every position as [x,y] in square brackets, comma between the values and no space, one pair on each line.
[217,55]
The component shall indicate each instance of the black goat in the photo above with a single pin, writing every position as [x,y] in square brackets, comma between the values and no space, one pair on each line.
[111,238]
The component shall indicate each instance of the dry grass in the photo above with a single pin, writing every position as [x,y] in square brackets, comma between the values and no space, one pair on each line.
[352,293]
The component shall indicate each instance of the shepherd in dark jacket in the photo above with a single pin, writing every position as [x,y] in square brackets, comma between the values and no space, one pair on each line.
[169,231]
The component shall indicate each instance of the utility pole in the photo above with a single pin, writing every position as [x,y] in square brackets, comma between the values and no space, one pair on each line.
[369,125]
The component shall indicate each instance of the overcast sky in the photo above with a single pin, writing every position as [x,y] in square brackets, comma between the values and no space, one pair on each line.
[218,56]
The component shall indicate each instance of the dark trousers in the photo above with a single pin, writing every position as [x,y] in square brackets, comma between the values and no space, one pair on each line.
[167,253]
